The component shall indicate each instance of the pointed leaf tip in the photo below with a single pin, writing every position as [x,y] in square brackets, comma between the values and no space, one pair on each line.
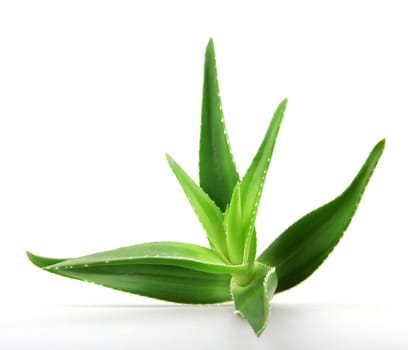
[303,247]
[155,280]
[217,170]
[42,261]
[210,51]
[381,144]
[254,179]
[209,214]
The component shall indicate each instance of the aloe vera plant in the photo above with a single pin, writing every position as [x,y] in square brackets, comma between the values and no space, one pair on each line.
[226,206]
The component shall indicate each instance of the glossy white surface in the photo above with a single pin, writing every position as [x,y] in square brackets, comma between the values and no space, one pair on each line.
[292,326]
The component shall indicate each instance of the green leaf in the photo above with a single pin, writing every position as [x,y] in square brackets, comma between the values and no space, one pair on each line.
[179,254]
[42,261]
[218,174]
[170,283]
[252,300]
[302,248]
[206,210]
[254,179]
[233,228]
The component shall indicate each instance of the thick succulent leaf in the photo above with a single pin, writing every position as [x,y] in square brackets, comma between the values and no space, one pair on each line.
[218,174]
[179,254]
[233,228]
[302,248]
[254,179]
[206,210]
[170,283]
[252,300]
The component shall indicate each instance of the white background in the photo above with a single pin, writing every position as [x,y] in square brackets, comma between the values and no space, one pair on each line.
[92,94]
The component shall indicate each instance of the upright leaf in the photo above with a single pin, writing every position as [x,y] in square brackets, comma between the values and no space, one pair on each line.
[218,174]
[254,179]
[302,248]
[164,282]
[206,210]
[252,300]
[233,227]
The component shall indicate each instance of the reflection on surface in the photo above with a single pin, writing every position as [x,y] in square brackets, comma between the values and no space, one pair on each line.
[302,326]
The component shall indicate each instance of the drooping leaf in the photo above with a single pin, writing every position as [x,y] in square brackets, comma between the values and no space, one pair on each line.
[170,283]
[179,254]
[206,210]
[302,248]
[218,174]
[233,225]
[252,300]
[254,179]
